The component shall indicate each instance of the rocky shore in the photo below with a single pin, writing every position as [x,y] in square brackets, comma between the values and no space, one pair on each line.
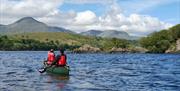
[174,48]
[89,49]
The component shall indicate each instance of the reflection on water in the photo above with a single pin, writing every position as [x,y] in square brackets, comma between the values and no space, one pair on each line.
[62,78]
[60,81]
[91,72]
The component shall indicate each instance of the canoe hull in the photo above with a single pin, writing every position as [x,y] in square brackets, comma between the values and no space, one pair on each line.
[58,70]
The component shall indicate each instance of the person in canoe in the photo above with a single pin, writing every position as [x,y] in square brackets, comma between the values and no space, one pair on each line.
[50,58]
[61,59]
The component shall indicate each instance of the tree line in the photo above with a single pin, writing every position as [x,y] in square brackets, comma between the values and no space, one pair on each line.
[24,43]
[159,42]
[11,44]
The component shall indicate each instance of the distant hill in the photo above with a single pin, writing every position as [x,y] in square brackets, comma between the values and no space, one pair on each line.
[110,34]
[29,24]
[92,32]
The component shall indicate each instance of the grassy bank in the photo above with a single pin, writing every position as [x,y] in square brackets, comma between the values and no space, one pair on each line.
[47,40]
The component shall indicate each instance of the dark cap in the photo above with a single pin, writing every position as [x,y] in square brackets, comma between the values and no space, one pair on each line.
[61,50]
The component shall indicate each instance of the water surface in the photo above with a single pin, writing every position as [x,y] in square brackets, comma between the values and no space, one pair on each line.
[92,72]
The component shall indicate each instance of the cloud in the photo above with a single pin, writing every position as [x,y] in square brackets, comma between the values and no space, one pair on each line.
[143,25]
[134,24]
[22,8]
[58,18]
[26,7]
[85,18]
[90,1]
[48,11]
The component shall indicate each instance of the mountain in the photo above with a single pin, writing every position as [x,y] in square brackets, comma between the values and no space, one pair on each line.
[59,29]
[91,32]
[2,28]
[114,33]
[110,34]
[29,24]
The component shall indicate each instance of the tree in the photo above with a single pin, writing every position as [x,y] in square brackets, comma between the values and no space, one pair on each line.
[119,43]
[175,32]
[160,41]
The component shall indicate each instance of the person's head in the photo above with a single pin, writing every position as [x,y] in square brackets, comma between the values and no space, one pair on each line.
[52,50]
[62,51]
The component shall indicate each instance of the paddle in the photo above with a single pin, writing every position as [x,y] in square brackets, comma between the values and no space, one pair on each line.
[42,70]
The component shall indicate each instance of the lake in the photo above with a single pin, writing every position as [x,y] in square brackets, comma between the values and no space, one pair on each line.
[91,72]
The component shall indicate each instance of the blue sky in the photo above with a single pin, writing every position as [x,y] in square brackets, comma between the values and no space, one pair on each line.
[169,12]
[99,9]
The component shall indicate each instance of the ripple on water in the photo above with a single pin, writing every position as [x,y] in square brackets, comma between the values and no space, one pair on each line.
[9,80]
[9,73]
[30,70]
[104,72]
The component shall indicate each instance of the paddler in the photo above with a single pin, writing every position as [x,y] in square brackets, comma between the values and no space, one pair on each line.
[61,59]
[51,57]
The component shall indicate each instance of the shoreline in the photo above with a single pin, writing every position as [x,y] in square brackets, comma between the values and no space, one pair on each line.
[71,52]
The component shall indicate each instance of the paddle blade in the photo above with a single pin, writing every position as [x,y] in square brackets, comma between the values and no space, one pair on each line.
[42,70]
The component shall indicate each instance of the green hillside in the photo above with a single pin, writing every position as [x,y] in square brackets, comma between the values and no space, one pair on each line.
[47,40]
[62,38]
[161,41]
[157,42]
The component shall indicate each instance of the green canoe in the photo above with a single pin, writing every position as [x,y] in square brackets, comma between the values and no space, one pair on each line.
[58,70]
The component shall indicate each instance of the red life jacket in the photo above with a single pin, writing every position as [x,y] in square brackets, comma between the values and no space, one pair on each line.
[51,57]
[62,60]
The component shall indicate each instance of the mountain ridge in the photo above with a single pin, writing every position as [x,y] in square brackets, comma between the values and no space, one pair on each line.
[29,24]
[109,34]
[91,32]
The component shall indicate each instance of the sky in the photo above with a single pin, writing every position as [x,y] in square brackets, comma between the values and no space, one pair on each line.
[136,17]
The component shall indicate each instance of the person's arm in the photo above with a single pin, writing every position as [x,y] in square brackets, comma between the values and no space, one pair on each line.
[56,59]
[47,56]
[66,59]
[54,55]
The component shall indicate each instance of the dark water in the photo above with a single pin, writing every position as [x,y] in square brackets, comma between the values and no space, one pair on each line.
[92,72]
